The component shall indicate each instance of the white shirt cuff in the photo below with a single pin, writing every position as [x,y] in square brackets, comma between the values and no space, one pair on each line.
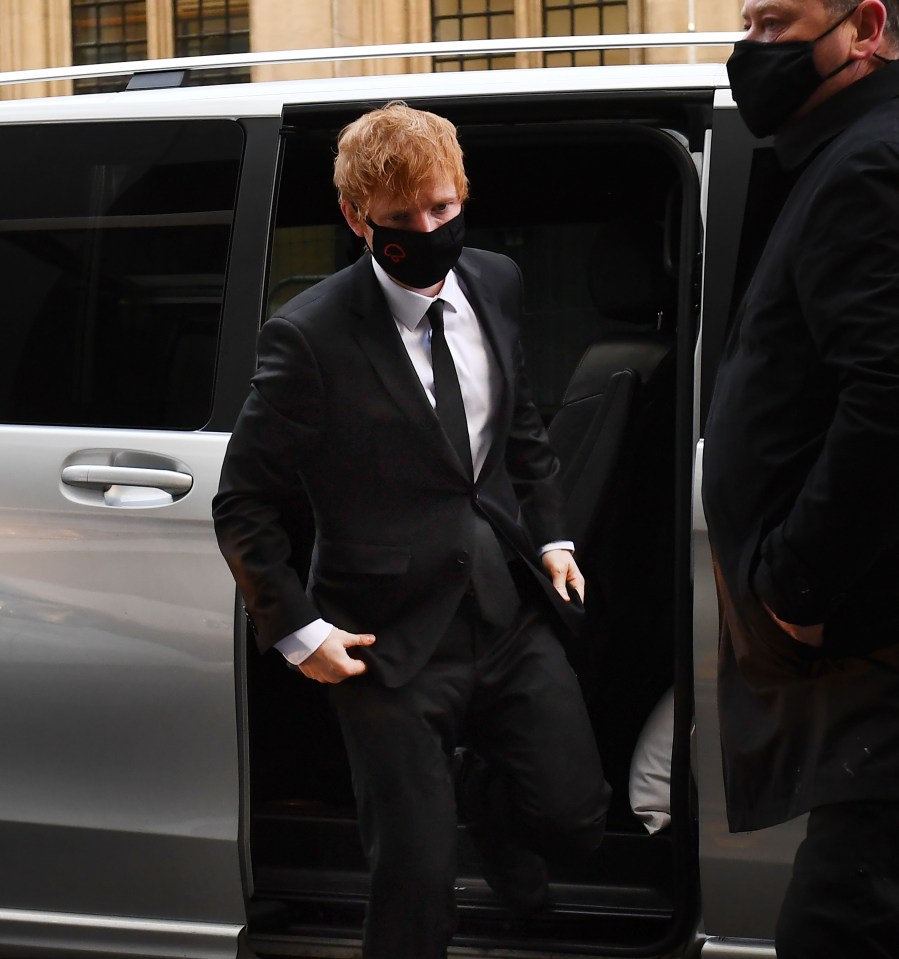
[300,645]
[560,544]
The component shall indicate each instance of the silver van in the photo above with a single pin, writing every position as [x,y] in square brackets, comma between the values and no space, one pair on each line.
[164,790]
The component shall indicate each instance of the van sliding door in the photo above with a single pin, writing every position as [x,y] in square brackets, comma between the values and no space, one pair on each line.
[120,785]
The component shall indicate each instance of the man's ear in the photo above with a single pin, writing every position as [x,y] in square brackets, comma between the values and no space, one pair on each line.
[869,21]
[351,214]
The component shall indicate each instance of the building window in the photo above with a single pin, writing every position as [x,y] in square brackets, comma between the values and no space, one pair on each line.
[107,31]
[208,27]
[473,20]
[581,18]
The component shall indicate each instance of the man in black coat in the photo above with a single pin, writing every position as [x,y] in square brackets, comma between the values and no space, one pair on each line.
[801,476]
[394,395]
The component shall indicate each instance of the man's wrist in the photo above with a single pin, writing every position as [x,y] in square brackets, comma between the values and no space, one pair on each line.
[558,544]
[299,645]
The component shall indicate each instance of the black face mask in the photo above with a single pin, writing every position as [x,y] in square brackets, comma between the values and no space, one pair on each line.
[771,81]
[419,260]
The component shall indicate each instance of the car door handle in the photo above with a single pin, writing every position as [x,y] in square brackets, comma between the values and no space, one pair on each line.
[91,476]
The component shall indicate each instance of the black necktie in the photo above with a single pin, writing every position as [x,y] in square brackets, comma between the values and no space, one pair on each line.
[494,588]
[450,408]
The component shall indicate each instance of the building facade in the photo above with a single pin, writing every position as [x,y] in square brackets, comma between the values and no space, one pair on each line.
[41,33]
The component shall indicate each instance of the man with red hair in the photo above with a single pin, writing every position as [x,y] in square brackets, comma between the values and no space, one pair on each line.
[395,393]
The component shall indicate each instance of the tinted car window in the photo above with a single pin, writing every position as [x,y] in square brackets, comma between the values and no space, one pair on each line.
[113,242]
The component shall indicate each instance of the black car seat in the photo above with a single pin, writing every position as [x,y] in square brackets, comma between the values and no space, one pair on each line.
[614,435]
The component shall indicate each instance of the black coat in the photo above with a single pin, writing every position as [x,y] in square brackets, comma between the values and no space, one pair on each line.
[801,476]
[336,406]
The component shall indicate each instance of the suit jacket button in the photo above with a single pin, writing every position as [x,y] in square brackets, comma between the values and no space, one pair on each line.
[462,557]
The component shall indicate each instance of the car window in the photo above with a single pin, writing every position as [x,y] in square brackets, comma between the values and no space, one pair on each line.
[114,241]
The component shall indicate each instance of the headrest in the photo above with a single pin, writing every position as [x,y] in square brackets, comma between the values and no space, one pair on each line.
[627,273]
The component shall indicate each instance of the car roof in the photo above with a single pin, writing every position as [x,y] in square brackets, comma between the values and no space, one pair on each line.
[271,97]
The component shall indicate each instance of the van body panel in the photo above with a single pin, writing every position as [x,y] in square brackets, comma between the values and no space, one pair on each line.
[737,949]
[724,99]
[117,693]
[268,98]
[25,934]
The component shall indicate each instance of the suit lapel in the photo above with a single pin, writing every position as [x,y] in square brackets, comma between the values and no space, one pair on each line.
[377,335]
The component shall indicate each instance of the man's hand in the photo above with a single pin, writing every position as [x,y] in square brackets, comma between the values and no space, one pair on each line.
[562,568]
[330,662]
[807,635]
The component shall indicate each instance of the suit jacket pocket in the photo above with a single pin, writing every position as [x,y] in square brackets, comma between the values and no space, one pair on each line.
[361,558]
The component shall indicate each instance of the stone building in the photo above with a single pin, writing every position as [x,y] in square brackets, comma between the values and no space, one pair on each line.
[40,33]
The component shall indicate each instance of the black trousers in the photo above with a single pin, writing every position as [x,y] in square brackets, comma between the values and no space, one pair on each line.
[512,696]
[843,900]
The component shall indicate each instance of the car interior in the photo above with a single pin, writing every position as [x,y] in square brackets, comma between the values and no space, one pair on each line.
[601,216]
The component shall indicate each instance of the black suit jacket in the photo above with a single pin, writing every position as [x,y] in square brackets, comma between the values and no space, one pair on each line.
[336,406]
[801,476]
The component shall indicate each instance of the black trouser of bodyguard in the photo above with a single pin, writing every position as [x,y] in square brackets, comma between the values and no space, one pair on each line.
[513,697]
[843,899]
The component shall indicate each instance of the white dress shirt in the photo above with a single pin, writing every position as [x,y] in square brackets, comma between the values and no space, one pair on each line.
[479,381]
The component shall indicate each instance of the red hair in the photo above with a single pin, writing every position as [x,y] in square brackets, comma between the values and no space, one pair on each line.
[396,150]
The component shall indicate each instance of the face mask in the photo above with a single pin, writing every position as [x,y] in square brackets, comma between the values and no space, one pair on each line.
[771,81]
[419,260]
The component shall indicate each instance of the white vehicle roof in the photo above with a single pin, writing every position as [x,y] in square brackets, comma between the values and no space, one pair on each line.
[269,98]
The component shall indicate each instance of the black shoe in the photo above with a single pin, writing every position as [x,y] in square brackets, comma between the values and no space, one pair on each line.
[515,873]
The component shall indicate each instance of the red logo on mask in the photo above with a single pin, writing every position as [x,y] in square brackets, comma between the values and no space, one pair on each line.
[393,251]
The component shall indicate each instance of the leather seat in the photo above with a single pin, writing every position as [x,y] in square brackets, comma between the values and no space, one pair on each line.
[616,405]
[614,435]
